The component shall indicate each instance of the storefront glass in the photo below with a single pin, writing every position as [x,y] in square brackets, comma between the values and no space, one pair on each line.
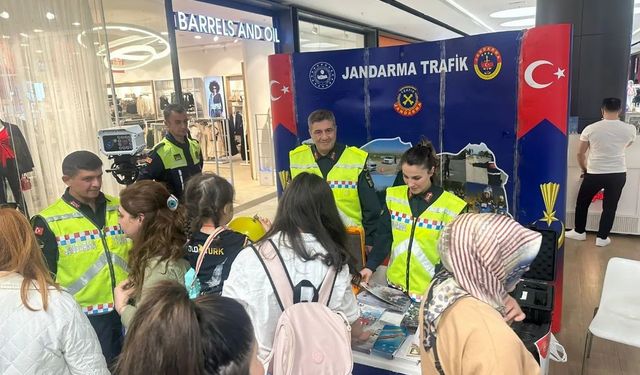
[317,37]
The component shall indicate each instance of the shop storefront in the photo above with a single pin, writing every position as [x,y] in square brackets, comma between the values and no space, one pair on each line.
[69,68]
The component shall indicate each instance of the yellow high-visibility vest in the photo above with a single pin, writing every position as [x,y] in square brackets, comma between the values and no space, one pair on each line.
[92,260]
[342,178]
[414,252]
[173,156]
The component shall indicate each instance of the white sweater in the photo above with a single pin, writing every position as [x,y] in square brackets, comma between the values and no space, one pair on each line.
[57,341]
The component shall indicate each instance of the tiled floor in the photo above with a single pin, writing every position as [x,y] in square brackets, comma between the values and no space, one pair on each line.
[584,269]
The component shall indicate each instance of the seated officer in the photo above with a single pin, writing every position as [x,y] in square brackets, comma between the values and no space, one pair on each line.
[344,169]
[84,246]
[176,157]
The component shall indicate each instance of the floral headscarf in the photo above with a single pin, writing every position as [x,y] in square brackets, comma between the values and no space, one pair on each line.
[484,256]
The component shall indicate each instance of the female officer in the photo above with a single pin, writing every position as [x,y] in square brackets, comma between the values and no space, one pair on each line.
[411,222]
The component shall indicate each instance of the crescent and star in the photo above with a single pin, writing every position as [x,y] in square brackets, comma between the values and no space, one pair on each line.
[284,90]
[528,74]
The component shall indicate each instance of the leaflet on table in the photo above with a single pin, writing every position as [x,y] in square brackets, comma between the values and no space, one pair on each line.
[389,341]
[384,296]
[411,317]
[371,327]
[410,350]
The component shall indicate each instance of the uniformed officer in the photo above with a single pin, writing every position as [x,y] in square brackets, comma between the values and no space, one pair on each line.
[411,221]
[345,170]
[84,246]
[176,157]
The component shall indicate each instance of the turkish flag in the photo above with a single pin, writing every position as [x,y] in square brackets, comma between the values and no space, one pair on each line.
[544,77]
[282,108]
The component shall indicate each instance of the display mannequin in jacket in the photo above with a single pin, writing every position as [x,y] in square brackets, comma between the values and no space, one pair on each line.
[15,160]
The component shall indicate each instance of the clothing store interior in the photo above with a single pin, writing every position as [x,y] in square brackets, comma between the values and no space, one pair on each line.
[515,250]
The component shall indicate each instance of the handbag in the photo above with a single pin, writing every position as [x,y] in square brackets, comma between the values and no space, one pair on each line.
[191,281]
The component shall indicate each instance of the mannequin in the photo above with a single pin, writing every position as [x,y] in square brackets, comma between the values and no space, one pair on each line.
[15,160]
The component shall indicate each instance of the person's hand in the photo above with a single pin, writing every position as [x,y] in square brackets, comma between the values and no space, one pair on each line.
[366,275]
[266,223]
[122,294]
[513,312]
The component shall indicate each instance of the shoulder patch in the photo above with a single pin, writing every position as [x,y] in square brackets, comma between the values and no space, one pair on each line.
[39,231]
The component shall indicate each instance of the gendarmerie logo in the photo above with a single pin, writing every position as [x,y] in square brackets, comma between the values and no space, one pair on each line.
[407,102]
[487,62]
[322,75]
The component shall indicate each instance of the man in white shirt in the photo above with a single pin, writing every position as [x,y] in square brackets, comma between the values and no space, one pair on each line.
[606,141]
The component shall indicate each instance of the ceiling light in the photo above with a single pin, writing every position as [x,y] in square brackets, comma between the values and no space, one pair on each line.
[38,51]
[164,33]
[50,16]
[24,45]
[96,43]
[235,40]
[515,12]
[314,29]
[6,37]
[470,15]
[24,35]
[76,24]
[520,23]
[198,37]
[4,14]
[37,30]
[216,38]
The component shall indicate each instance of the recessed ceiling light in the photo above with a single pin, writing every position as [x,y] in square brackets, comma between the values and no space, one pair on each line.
[216,38]
[24,35]
[520,23]
[4,14]
[164,33]
[76,24]
[235,40]
[37,30]
[50,16]
[96,43]
[515,12]
[198,37]
[38,51]
[6,37]
[24,45]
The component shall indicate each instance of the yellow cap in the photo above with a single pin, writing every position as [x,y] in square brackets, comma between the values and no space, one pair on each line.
[248,226]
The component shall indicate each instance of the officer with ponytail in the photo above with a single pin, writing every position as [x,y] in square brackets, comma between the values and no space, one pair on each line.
[411,222]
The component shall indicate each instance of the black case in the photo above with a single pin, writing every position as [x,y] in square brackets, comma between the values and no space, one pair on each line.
[535,293]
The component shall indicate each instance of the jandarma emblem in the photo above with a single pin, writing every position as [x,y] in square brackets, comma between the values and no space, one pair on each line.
[487,62]
[407,102]
[322,75]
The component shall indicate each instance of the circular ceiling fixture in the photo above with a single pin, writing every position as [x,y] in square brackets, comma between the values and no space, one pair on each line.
[130,46]
[525,22]
[514,13]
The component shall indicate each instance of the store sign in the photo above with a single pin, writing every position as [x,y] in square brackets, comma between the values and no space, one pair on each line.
[197,23]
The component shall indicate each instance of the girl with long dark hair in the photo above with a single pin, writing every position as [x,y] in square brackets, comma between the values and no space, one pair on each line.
[309,236]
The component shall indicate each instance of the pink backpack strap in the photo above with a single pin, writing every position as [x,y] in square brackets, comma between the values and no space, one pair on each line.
[326,288]
[277,272]
[205,247]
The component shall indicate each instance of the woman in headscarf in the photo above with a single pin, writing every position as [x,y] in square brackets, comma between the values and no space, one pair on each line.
[465,316]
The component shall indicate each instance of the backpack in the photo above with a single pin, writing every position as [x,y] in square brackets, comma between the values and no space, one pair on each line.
[309,337]
[191,281]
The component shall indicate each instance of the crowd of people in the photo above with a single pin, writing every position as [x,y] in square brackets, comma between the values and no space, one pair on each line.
[155,282]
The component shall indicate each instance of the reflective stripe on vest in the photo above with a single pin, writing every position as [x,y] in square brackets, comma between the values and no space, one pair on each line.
[342,178]
[173,157]
[423,231]
[91,260]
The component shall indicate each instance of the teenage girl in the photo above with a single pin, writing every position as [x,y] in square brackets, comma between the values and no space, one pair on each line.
[208,199]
